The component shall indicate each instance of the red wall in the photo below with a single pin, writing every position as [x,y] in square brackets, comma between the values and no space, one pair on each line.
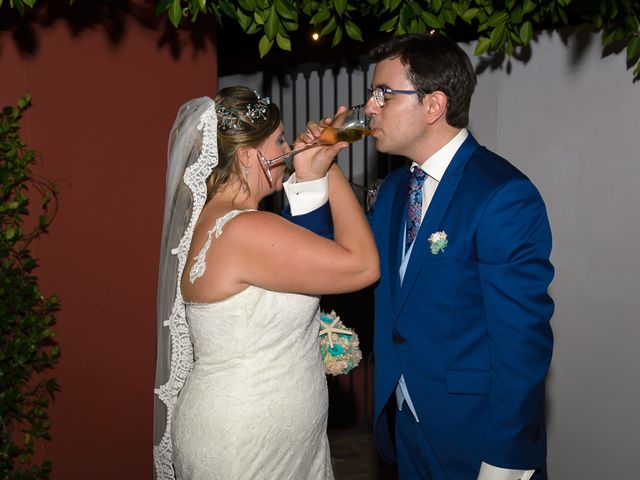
[102,109]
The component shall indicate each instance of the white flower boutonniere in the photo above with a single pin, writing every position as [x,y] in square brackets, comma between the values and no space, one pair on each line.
[437,242]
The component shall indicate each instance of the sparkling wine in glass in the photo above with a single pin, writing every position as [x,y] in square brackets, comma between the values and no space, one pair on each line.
[349,126]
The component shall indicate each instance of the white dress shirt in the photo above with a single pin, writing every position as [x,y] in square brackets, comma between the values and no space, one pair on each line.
[307,196]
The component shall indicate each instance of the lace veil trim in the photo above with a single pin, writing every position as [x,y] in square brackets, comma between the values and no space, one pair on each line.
[194,177]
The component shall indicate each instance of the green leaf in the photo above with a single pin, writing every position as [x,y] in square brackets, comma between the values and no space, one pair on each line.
[162,6]
[283,42]
[290,26]
[264,45]
[247,5]
[483,46]
[175,13]
[449,16]
[29,2]
[227,8]
[19,6]
[320,16]
[244,20]
[340,6]
[528,6]
[393,5]
[563,17]
[497,18]
[337,37]
[432,21]
[353,30]
[497,36]
[516,16]
[389,24]
[436,5]
[329,27]
[458,8]
[633,48]
[510,49]
[526,32]
[470,14]
[24,102]
[258,17]
[406,14]
[272,24]
[286,10]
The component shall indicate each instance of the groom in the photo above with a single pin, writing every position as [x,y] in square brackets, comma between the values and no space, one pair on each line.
[462,335]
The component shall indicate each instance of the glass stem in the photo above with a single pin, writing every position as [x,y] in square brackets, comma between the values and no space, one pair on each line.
[281,158]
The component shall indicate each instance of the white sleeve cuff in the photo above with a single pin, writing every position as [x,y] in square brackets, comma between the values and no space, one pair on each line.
[305,197]
[489,472]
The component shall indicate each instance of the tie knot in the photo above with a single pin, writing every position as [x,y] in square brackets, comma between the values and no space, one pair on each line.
[417,178]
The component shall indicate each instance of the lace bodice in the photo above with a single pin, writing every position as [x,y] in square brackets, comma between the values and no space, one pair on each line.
[199,266]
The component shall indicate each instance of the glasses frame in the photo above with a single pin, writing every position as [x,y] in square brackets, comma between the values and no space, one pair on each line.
[378,94]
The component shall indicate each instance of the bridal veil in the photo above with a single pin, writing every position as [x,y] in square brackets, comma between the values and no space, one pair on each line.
[192,155]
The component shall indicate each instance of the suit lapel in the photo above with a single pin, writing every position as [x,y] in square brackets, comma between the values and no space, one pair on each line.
[396,231]
[433,216]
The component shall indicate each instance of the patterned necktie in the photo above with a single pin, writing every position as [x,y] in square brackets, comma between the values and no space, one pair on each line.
[414,212]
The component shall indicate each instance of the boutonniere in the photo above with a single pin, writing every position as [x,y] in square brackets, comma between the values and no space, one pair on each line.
[437,242]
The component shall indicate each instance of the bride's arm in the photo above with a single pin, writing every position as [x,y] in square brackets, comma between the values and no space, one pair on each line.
[281,256]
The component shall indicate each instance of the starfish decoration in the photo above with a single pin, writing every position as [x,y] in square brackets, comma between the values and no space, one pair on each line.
[330,329]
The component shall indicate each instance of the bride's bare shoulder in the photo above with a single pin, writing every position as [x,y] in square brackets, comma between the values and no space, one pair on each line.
[254,224]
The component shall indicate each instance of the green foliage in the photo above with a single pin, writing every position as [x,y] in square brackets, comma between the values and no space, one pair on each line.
[27,346]
[499,25]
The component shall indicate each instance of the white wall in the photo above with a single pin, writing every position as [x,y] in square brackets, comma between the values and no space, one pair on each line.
[569,119]
[571,124]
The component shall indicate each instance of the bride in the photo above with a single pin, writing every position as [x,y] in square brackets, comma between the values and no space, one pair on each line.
[240,382]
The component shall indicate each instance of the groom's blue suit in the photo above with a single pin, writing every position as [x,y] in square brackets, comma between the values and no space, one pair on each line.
[468,328]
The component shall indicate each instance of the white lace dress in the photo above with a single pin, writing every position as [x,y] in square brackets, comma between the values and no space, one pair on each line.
[255,404]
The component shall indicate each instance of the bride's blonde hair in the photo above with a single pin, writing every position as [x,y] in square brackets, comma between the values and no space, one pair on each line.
[245,129]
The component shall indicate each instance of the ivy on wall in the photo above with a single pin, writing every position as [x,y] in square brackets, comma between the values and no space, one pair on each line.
[28,349]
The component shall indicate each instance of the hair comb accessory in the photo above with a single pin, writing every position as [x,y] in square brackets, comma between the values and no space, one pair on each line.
[258,109]
[231,118]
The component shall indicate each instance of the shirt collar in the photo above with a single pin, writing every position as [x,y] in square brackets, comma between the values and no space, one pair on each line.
[437,163]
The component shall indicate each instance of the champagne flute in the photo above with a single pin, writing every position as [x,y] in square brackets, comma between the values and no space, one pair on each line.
[349,126]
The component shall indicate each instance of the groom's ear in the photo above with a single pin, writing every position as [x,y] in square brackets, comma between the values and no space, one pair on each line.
[436,106]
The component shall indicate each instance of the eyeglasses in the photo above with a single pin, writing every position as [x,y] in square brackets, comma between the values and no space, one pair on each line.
[378,94]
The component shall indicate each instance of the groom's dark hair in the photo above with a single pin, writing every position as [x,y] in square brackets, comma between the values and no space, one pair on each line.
[434,62]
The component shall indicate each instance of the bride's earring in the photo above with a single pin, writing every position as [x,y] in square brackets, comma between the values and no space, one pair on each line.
[245,181]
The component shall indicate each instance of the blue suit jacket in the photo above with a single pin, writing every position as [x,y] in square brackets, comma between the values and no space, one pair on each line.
[469,327]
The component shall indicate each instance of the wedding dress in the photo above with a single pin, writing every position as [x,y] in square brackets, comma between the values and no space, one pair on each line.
[255,403]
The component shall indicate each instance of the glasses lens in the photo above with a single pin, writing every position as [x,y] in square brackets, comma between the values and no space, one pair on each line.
[378,96]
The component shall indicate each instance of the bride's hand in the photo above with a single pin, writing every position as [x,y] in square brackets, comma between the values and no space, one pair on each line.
[314,163]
